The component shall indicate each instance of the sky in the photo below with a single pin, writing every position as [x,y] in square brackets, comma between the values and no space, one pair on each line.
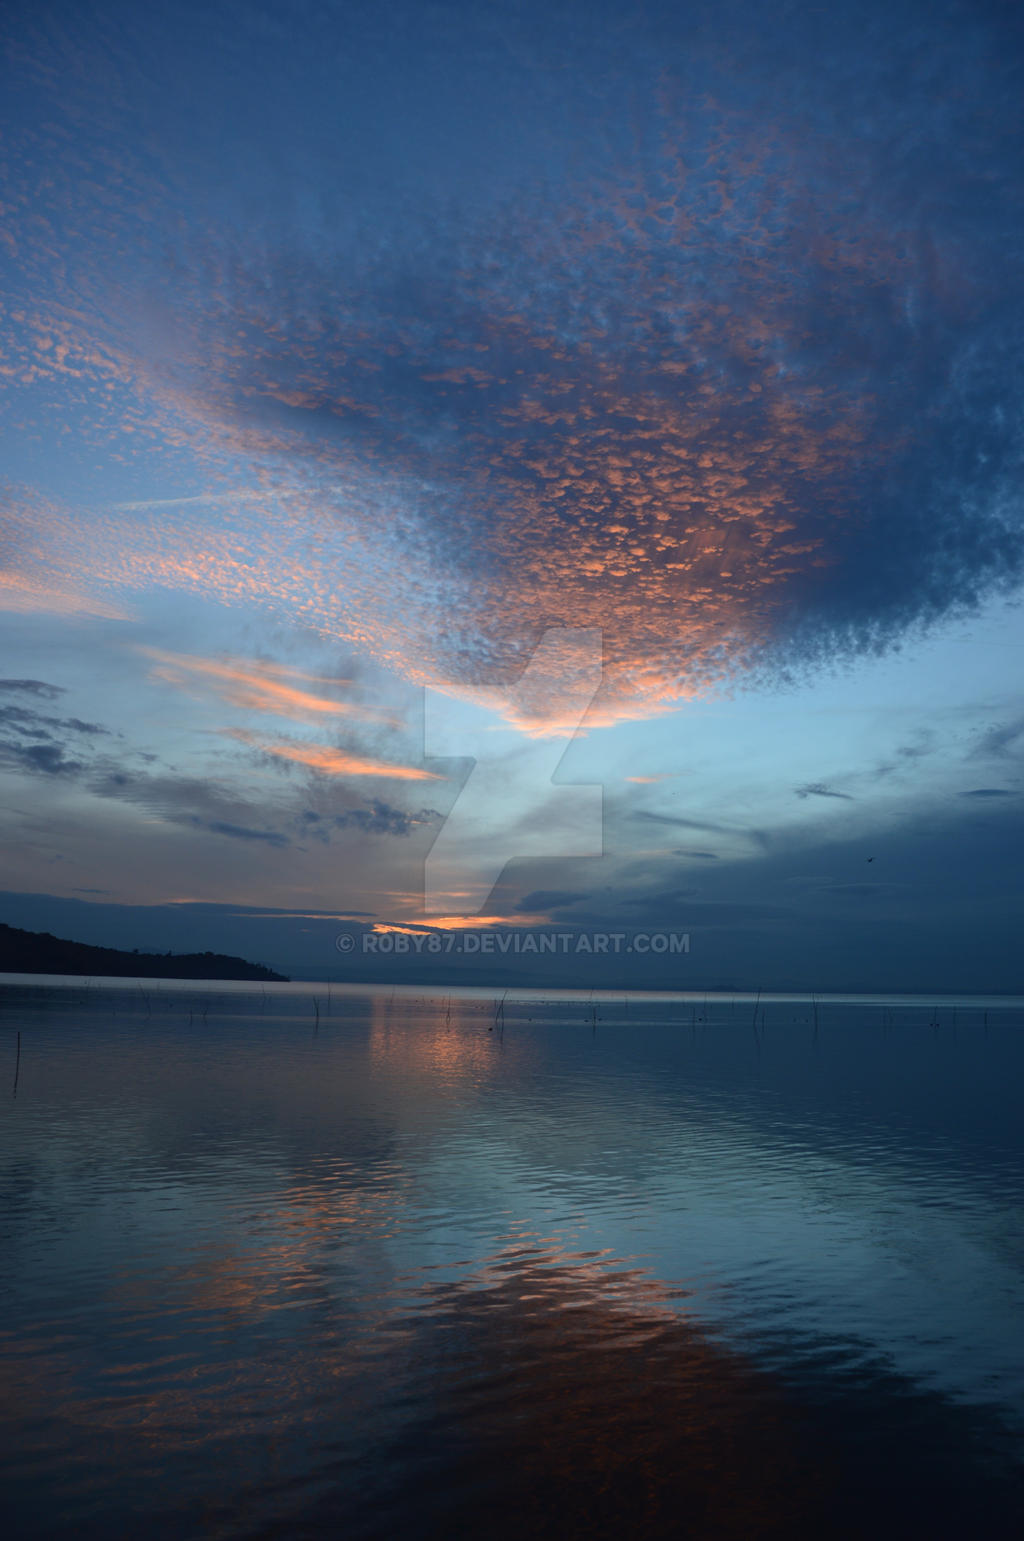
[523,467]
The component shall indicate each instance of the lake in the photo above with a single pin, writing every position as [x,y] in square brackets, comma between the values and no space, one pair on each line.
[293,1262]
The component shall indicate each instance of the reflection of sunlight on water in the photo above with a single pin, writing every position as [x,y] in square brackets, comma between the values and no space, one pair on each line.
[554,1376]
[446,1038]
[569,1390]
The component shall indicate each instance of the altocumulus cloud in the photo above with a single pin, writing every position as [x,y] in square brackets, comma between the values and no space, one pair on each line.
[736,385]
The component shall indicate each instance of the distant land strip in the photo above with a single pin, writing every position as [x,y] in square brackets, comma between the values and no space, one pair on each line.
[37,952]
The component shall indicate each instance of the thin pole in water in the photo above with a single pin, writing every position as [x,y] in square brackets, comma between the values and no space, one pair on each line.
[17,1066]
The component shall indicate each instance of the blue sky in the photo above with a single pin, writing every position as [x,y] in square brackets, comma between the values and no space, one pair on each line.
[350,351]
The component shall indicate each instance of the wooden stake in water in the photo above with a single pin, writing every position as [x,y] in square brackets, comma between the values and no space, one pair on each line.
[17,1066]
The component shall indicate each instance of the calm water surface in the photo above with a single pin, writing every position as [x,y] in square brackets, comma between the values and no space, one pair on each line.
[384,1265]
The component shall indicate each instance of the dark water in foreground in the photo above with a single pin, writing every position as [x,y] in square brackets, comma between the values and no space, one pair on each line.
[635,1269]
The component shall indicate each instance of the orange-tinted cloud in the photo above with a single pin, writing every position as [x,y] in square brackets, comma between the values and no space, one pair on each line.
[458,923]
[259,686]
[684,401]
[23,595]
[332,762]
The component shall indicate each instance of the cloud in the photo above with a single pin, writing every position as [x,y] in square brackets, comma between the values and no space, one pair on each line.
[21,719]
[331,762]
[261,686]
[684,823]
[19,593]
[34,687]
[48,751]
[989,792]
[818,789]
[239,832]
[1000,741]
[222,805]
[379,818]
[50,759]
[255,914]
[197,802]
[760,327]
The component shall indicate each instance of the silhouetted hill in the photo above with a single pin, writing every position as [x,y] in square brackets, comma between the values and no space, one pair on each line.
[37,952]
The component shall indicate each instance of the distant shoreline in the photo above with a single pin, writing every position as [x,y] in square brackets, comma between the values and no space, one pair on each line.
[37,952]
